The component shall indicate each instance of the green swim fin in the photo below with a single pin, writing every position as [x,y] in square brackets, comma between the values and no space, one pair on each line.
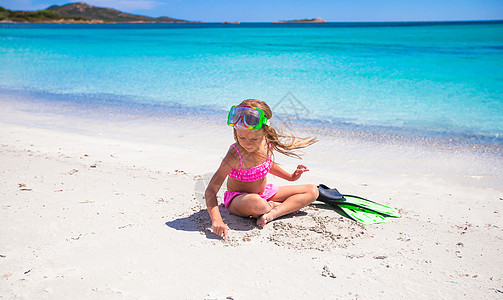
[370,205]
[333,197]
[362,215]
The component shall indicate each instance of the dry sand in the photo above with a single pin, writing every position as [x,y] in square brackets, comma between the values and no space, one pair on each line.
[113,209]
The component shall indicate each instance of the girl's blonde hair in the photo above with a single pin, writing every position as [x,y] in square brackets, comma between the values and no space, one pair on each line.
[284,144]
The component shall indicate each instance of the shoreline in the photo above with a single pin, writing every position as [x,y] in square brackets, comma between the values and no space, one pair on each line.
[110,206]
[397,23]
[92,105]
[472,164]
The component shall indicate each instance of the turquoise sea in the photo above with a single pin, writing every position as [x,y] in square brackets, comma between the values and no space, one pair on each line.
[421,79]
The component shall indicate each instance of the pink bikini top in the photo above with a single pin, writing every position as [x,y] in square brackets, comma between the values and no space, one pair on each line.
[251,174]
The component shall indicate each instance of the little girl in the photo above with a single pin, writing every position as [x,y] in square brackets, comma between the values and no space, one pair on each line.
[247,163]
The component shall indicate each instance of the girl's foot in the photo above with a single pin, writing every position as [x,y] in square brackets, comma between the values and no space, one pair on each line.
[265,218]
[273,204]
[268,217]
[262,220]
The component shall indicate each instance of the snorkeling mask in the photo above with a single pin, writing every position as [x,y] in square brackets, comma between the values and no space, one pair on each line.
[250,117]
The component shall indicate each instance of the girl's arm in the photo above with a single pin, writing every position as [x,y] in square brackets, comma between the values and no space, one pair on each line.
[218,225]
[278,171]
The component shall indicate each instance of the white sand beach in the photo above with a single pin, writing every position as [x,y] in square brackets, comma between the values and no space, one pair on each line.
[97,208]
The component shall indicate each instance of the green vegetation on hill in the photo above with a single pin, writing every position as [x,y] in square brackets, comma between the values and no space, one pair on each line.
[34,16]
[79,12]
[107,15]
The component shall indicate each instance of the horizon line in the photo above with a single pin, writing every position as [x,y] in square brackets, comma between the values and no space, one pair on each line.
[281,21]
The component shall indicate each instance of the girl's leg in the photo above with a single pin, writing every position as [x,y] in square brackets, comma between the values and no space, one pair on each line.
[249,205]
[293,198]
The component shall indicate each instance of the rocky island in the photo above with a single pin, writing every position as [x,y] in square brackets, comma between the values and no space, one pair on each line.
[315,20]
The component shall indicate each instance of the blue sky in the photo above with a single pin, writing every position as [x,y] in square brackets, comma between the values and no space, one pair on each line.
[273,10]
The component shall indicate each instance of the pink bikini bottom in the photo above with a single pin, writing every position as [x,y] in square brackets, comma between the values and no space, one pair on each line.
[268,193]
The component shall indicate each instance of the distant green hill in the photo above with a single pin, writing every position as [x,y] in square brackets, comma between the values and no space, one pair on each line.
[107,15]
[35,16]
[79,13]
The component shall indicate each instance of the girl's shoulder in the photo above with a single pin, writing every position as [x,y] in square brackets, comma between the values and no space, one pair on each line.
[233,156]
[234,150]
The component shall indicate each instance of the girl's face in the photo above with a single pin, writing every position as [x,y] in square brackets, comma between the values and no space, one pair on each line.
[250,140]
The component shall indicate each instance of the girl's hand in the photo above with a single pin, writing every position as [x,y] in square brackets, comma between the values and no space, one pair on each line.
[300,169]
[220,229]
